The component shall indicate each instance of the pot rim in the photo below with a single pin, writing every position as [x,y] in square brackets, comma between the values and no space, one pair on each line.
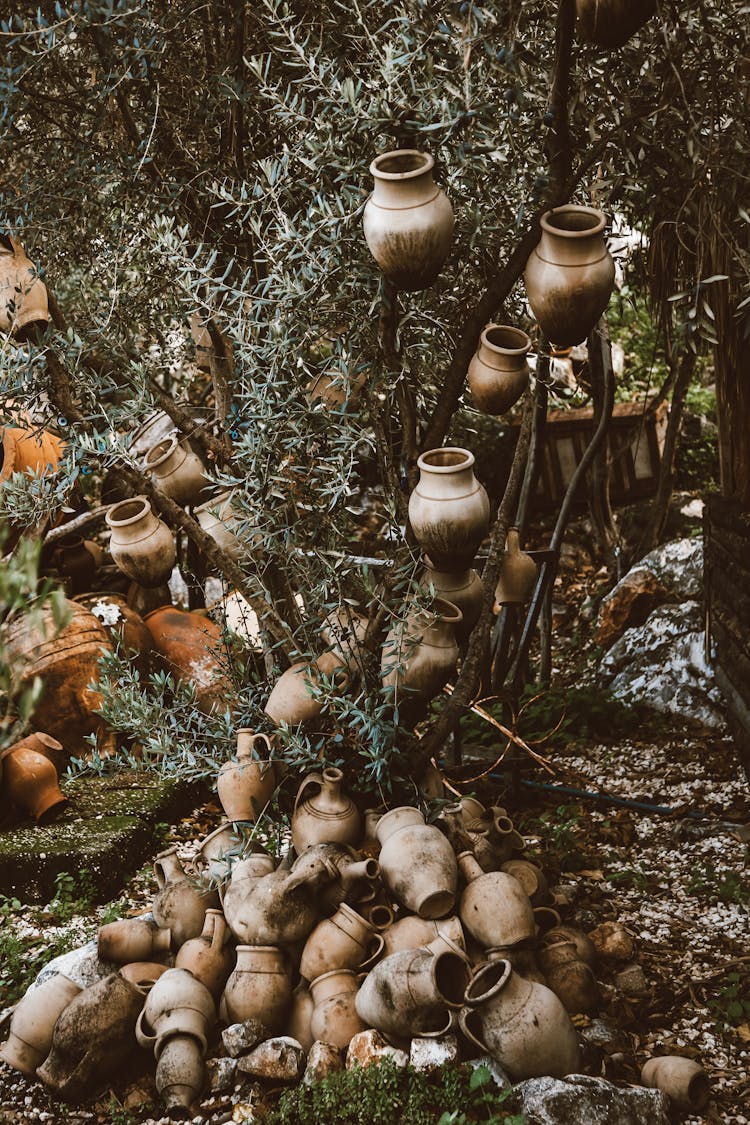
[128,521]
[426,164]
[522,338]
[171,442]
[217,501]
[446,459]
[501,969]
[599,220]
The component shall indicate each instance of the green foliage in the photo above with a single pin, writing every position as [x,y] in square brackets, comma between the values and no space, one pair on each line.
[707,883]
[731,1004]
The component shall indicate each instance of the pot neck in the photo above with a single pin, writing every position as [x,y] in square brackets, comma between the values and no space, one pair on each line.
[404,194]
[566,248]
[469,867]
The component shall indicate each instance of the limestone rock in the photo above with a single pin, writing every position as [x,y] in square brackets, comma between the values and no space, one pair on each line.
[81,965]
[428,1054]
[580,1100]
[369,1047]
[240,1038]
[277,1060]
[629,604]
[322,1059]
[221,1074]
[678,566]
[631,980]
[498,1075]
[603,1036]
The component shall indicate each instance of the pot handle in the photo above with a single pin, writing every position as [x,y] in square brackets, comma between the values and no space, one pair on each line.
[463,1022]
[306,783]
[145,1039]
[375,948]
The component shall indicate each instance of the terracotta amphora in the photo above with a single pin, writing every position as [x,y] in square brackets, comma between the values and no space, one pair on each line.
[518,573]
[24,308]
[181,903]
[494,907]
[180,1074]
[462,588]
[219,520]
[294,699]
[521,1024]
[571,979]
[684,1080]
[125,627]
[449,509]
[299,1020]
[245,786]
[191,647]
[408,219]
[420,654]
[410,932]
[346,940]
[132,939]
[570,275]
[260,987]
[93,1038]
[323,814]
[417,863]
[245,873]
[208,957]
[282,907]
[335,1019]
[29,779]
[177,471]
[499,373]
[141,545]
[412,992]
[33,1023]
[177,1004]
[610,23]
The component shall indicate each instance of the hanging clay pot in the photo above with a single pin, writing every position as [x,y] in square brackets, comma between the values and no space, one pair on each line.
[281,908]
[23,295]
[335,1019]
[346,940]
[521,1024]
[462,588]
[570,275]
[684,1080]
[410,932]
[323,814]
[408,219]
[191,647]
[141,545]
[132,939]
[30,779]
[180,1074]
[518,573]
[494,907]
[412,992]
[124,626]
[178,1004]
[292,700]
[259,988]
[66,661]
[571,979]
[245,786]
[417,863]
[499,374]
[419,656]
[207,957]
[610,23]
[449,509]
[219,520]
[177,471]
[299,1020]
[180,905]
[29,451]
[33,1023]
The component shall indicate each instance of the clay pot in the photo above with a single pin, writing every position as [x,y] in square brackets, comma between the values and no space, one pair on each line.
[584,946]
[445,935]
[29,451]
[408,220]
[356,882]
[132,939]
[281,908]
[335,1019]
[155,427]
[323,814]
[177,471]
[75,564]
[417,863]
[378,913]
[141,545]
[462,588]
[190,646]
[546,918]
[492,834]
[518,573]
[260,988]
[180,1073]
[180,904]
[33,1023]
[571,979]
[530,877]
[23,296]
[143,974]
[178,1004]
[494,907]
[420,655]
[521,958]
[218,519]
[93,1038]
[292,700]
[346,940]
[521,1024]
[570,275]
[219,853]
[684,1080]
[245,786]
[449,509]
[336,389]
[610,23]
[245,873]
[299,1021]
[66,662]
[498,373]
[125,627]
[207,957]
[412,992]
[30,779]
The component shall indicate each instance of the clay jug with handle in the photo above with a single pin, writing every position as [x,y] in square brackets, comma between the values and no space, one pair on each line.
[181,903]
[323,814]
[207,956]
[246,785]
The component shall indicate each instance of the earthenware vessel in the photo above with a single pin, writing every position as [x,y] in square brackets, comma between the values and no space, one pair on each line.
[218,519]
[181,903]
[570,275]
[583,943]
[124,626]
[294,699]
[499,374]
[260,987]
[336,390]
[571,979]
[33,1023]
[29,780]
[417,863]
[323,814]
[143,974]
[245,786]
[419,655]
[207,956]
[492,835]
[23,295]
[408,220]
[75,564]
[518,573]
[356,882]
[522,960]
[177,1004]
[449,509]
[410,932]
[344,630]
[610,23]
[531,877]
[521,1024]
[281,908]
[494,907]
[245,873]
[299,1020]
[346,940]
[177,471]
[684,1080]
[132,939]
[219,853]
[153,429]
[462,588]
[191,647]
[335,1019]
[412,992]
[141,545]
[180,1073]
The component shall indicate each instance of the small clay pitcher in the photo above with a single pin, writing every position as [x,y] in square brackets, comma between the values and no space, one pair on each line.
[141,545]
[33,1023]
[346,940]
[449,509]
[132,939]
[498,373]
[684,1080]
[208,957]
[260,988]
[181,903]
[335,1019]
[30,778]
[445,935]
[219,853]
[293,699]
[494,907]
[417,863]
[462,588]
[178,1003]
[518,573]
[412,992]
[177,471]
[180,1074]
[323,814]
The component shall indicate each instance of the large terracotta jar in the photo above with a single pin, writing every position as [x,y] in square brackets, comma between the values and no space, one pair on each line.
[494,907]
[177,471]
[570,275]
[23,295]
[66,662]
[334,1018]
[141,545]
[518,573]
[181,903]
[420,655]
[207,956]
[245,786]
[417,863]
[610,23]
[449,509]
[30,779]
[219,520]
[408,219]
[191,648]
[413,992]
[33,1023]
[126,627]
[323,814]
[463,588]
[498,373]
[292,699]
[520,1023]
[260,987]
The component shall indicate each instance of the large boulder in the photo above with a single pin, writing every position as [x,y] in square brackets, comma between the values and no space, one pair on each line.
[580,1100]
